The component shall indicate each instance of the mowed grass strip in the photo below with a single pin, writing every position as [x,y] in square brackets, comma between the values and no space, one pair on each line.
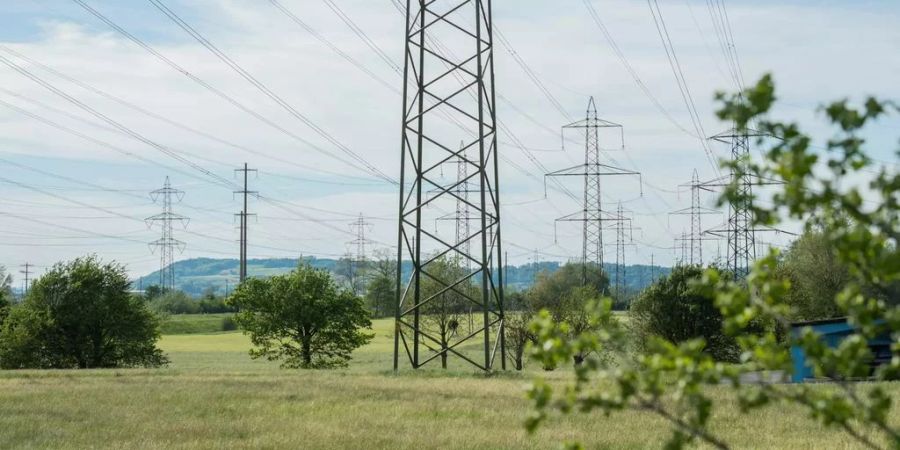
[213,396]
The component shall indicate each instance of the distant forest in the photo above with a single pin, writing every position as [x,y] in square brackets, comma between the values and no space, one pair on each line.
[204,275]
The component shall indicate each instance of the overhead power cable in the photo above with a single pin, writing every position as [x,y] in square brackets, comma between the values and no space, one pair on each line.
[212,89]
[268,92]
[631,71]
[162,118]
[680,80]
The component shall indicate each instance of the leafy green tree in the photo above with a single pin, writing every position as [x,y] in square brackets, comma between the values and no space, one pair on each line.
[381,292]
[675,309]
[816,277]
[301,318]
[445,309]
[671,380]
[154,291]
[551,290]
[80,315]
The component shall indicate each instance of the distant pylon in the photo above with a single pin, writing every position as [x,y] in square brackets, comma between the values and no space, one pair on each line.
[592,214]
[26,271]
[360,226]
[358,259]
[624,229]
[167,243]
[462,214]
[243,215]
[694,242]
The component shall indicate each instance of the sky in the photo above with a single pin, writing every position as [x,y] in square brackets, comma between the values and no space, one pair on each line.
[75,184]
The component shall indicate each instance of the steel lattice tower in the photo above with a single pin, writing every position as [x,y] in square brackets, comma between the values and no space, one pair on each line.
[592,214]
[360,226]
[740,230]
[694,254]
[167,243]
[448,99]
[624,229]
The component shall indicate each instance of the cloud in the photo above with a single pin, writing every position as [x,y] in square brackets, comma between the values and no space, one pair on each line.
[816,52]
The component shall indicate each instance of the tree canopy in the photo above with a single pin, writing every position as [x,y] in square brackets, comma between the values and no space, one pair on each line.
[80,314]
[302,319]
[824,190]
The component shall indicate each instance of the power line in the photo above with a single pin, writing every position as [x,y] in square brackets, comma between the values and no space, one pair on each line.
[162,118]
[209,87]
[268,92]
[680,80]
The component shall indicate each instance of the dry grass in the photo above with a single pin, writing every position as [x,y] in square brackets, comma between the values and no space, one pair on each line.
[214,396]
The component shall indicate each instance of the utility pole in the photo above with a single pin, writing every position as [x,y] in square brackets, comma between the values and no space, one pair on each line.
[243,215]
[27,272]
[592,214]
[696,211]
[167,243]
[431,92]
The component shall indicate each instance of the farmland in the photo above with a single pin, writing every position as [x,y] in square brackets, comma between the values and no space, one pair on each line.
[213,395]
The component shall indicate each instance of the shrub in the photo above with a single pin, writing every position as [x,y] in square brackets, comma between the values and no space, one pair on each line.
[674,310]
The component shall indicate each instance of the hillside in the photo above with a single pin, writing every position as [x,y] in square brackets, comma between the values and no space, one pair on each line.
[194,276]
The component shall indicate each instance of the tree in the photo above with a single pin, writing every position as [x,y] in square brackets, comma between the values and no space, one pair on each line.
[80,314]
[674,308]
[670,380]
[550,290]
[816,277]
[445,308]
[353,273]
[301,318]
[154,291]
[381,292]
[564,295]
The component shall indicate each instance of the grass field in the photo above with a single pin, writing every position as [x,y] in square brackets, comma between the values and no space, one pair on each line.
[214,396]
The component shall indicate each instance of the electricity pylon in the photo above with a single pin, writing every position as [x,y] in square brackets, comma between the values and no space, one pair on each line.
[592,216]
[358,258]
[167,243]
[624,229]
[462,215]
[243,215]
[26,271]
[449,74]
[694,255]
[739,230]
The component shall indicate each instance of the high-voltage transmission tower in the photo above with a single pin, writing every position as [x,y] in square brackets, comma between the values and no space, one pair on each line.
[624,229]
[243,216]
[26,271]
[462,215]
[449,97]
[167,244]
[739,231]
[592,215]
[357,257]
[694,254]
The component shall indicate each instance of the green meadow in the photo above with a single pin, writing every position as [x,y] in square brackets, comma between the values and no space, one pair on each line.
[214,396]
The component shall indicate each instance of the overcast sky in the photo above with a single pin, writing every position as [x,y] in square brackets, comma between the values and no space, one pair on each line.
[817,51]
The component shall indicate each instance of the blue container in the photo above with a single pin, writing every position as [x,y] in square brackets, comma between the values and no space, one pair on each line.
[833,331]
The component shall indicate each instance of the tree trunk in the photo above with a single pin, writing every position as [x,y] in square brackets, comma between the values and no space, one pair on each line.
[306,351]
